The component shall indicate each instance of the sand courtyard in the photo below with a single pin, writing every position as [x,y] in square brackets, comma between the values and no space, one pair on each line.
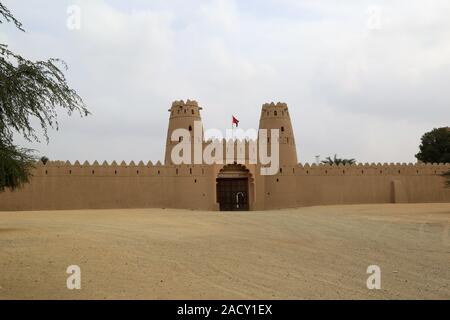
[304,253]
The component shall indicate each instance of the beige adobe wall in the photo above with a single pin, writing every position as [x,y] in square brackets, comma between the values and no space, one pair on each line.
[58,186]
[388,183]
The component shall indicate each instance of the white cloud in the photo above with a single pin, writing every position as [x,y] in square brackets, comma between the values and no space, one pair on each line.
[358,92]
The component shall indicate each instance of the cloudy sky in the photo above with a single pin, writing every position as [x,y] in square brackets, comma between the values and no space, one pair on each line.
[364,79]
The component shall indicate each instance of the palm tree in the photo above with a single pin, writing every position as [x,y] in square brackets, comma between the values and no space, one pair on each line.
[337,161]
[44,160]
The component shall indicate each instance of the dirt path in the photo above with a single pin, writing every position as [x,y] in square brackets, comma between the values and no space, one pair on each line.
[306,253]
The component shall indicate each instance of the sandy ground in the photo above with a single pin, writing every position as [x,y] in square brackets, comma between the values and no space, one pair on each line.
[306,253]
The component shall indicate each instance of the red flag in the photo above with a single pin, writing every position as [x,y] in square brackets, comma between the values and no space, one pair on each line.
[235,121]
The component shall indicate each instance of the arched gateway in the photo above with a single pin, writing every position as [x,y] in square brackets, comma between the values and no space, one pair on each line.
[233,188]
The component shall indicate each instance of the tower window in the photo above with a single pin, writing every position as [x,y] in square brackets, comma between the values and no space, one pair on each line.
[184,110]
[190,128]
[176,171]
[192,111]
[190,170]
[275,113]
[282,129]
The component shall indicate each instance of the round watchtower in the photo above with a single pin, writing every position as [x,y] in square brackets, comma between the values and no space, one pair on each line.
[182,115]
[276,116]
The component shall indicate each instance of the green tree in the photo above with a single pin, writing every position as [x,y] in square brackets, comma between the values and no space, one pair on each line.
[435,146]
[337,161]
[28,90]
[446,175]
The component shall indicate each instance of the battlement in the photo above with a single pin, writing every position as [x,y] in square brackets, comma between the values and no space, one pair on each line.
[279,109]
[58,168]
[181,109]
[359,169]
[181,103]
[272,105]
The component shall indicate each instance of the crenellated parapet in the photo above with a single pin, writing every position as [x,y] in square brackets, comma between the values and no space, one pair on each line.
[132,169]
[115,169]
[180,108]
[366,169]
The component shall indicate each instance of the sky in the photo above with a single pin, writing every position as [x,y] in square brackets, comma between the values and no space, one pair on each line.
[362,79]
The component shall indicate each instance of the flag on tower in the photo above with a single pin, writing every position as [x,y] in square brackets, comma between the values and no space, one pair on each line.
[235,121]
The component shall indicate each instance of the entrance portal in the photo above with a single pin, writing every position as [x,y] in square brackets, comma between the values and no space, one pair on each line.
[233,188]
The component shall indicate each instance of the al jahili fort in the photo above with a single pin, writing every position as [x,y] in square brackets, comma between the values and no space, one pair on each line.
[234,184]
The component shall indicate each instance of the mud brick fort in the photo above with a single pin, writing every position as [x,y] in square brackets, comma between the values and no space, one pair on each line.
[236,184]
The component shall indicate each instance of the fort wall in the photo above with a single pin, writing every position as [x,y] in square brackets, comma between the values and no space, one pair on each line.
[65,186]
[363,183]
